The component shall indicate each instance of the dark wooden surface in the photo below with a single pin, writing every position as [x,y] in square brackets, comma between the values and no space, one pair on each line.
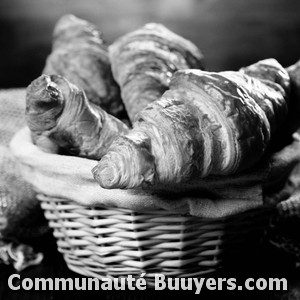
[230,33]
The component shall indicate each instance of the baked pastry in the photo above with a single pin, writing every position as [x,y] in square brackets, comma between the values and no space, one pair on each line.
[294,72]
[59,115]
[143,62]
[80,55]
[293,121]
[206,124]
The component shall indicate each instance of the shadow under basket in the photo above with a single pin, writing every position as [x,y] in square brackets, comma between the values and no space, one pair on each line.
[107,242]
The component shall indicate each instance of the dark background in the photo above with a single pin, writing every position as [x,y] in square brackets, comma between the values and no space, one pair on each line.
[230,33]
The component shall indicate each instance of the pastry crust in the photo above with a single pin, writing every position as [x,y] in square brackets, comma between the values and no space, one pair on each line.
[207,124]
[58,112]
[144,61]
[80,54]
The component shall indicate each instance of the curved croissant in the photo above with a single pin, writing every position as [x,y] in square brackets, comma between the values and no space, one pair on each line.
[144,61]
[80,55]
[294,72]
[207,123]
[58,112]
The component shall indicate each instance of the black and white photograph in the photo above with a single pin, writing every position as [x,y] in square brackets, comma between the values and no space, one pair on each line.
[149,149]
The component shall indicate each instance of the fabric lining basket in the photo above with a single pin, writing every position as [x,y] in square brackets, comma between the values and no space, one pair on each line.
[107,241]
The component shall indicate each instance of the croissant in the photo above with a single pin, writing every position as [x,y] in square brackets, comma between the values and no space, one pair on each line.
[294,72]
[80,55]
[58,112]
[293,122]
[144,61]
[206,124]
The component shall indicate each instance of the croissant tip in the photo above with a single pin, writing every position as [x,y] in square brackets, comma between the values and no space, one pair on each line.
[106,176]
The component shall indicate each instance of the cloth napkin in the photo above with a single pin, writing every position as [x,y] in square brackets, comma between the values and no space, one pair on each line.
[20,212]
[21,217]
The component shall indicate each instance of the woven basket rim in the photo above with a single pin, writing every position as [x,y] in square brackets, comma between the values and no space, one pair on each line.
[69,204]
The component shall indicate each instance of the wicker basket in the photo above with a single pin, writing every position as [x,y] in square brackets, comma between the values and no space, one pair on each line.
[106,241]
[110,242]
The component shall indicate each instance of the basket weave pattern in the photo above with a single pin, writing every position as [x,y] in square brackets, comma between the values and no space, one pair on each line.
[113,242]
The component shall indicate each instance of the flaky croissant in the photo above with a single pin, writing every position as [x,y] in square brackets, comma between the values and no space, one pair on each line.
[143,62]
[59,114]
[81,56]
[206,124]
